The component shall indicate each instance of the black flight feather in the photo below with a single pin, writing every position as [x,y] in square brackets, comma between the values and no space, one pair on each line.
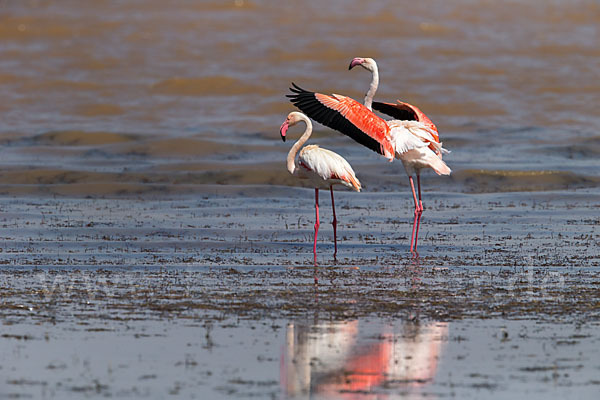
[312,107]
[396,111]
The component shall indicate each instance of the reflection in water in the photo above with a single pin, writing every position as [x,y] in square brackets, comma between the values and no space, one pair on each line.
[348,359]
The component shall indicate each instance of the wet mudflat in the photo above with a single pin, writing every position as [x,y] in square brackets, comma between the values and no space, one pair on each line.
[213,297]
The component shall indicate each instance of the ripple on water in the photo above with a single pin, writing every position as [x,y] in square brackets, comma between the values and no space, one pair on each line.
[205,86]
[82,138]
[97,110]
[584,148]
[483,181]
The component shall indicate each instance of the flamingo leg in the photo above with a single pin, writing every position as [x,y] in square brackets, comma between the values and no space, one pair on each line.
[419,210]
[412,238]
[334,223]
[316,231]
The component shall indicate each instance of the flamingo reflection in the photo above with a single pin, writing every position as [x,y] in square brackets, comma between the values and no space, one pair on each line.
[339,360]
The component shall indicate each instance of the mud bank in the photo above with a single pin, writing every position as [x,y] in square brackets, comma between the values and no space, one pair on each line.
[213,296]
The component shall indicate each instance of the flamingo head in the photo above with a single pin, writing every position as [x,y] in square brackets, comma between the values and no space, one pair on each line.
[292,119]
[367,63]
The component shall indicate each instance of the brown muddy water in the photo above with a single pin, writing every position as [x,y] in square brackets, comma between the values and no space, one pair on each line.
[153,244]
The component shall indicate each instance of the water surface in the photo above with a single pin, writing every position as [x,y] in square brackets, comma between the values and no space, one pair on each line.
[116,98]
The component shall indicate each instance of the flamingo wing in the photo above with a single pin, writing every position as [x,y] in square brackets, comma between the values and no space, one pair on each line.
[418,129]
[328,165]
[406,112]
[419,132]
[347,116]
[396,111]
[403,138]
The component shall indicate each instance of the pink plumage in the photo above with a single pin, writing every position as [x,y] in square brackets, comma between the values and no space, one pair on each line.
[411,136]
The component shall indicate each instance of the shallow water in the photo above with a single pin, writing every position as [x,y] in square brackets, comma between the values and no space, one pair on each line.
[236,333]
[117,98]
[238,226]
[214,297]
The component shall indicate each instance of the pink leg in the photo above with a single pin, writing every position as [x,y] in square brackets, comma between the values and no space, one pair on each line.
[420,211]
[412,238]
[316,231]
[334,223]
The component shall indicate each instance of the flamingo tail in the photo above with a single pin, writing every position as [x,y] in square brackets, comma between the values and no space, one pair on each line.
[438,165]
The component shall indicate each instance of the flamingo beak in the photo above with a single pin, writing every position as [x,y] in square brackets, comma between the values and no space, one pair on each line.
[283,130]
[356,61]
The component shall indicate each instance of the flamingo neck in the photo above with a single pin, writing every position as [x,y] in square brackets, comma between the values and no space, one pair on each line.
[372,89]
[291,157]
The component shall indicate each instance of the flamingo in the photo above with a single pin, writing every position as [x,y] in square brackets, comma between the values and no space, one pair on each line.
[322,167]
[402,112]
[412,137]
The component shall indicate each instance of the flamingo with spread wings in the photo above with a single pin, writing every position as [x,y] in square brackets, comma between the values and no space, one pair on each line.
[412,138]
[404,114]
[322,167]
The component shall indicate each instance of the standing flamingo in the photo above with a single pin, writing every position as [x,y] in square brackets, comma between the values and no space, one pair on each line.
[322,167]
[412,138]
[401,112]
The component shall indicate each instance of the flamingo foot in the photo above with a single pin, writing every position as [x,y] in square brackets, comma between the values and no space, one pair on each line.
[334,223]
[418,213]
[415,231]
[316,270]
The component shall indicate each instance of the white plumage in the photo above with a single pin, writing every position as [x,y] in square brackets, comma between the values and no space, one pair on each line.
[411,140]
[322,167]
[325,168]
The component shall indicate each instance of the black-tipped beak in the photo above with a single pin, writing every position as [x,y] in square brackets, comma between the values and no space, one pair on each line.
[355,62]
[283,130]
